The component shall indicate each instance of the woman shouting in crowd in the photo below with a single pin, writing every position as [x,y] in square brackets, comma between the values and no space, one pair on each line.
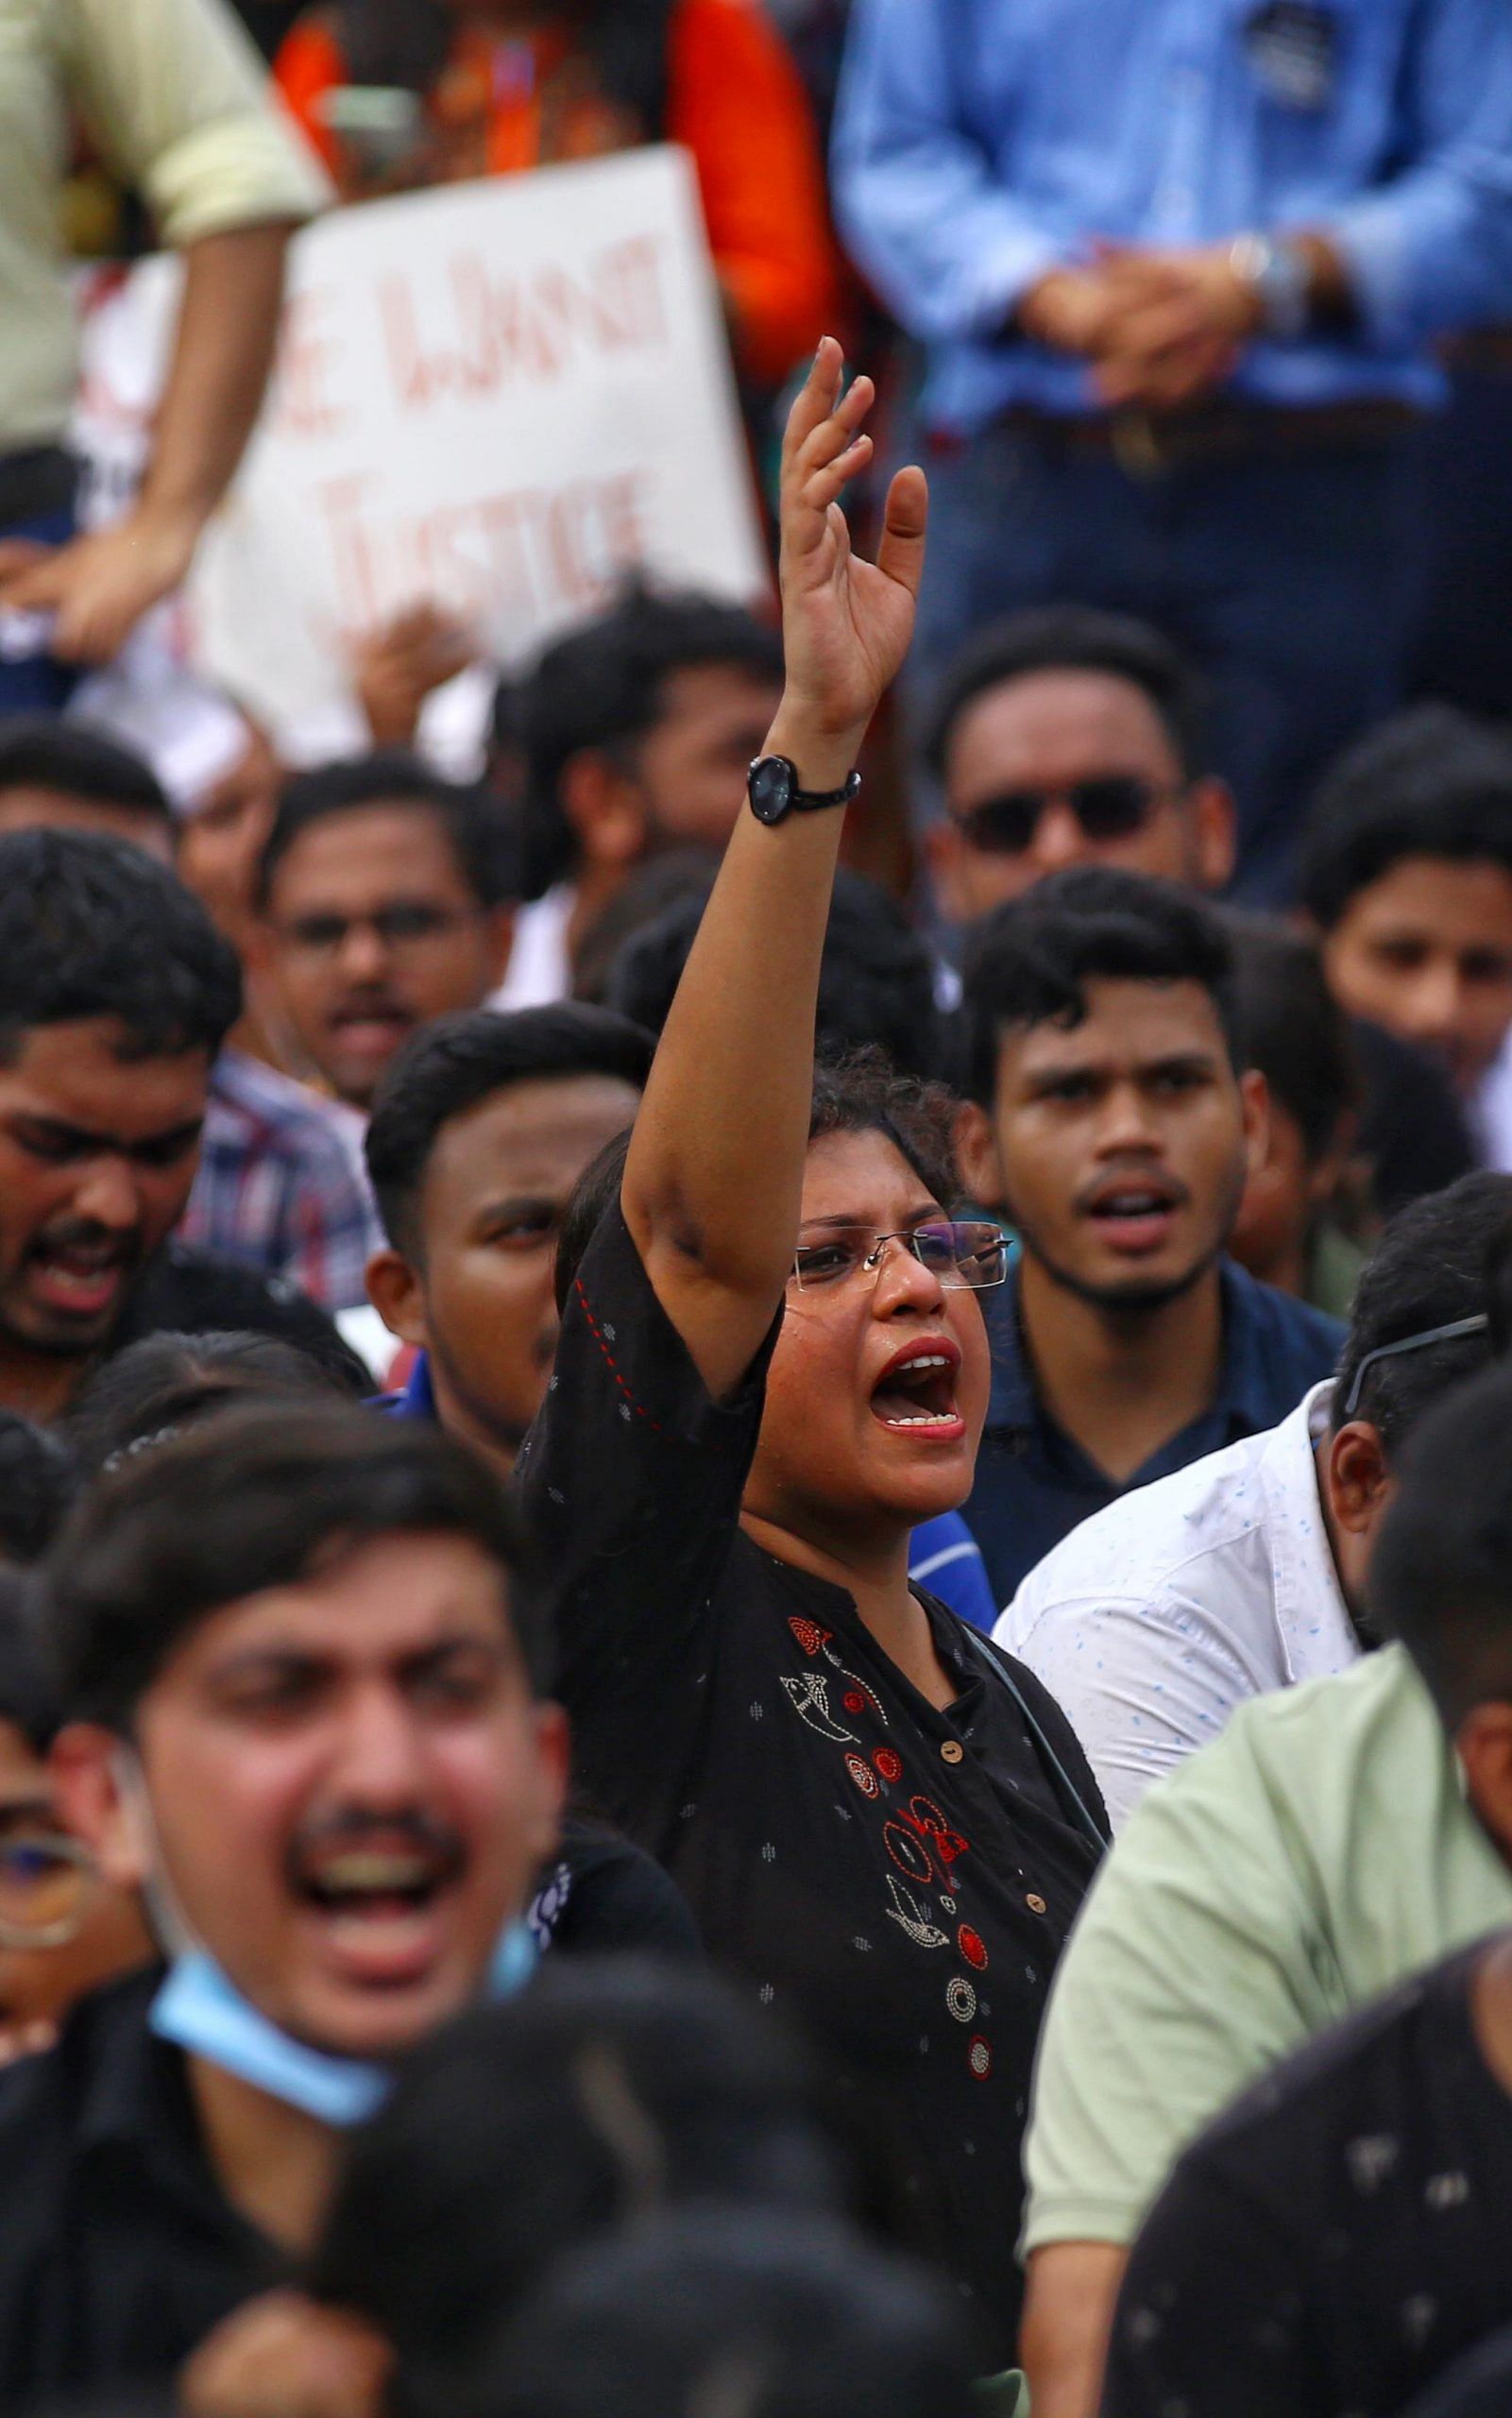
[772,1368]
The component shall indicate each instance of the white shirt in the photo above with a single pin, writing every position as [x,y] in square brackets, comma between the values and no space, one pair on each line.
[1154,1618]
[538,970]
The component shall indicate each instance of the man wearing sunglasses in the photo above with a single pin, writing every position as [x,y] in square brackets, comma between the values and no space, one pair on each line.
[1113,1122]
[1064,737]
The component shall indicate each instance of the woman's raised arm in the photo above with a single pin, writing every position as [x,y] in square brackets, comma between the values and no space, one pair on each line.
[714,1177]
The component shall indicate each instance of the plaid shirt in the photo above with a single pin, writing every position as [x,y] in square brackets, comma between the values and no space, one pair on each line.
[280,1186]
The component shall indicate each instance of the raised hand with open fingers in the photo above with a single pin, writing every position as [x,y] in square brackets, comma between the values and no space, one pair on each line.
[846,623]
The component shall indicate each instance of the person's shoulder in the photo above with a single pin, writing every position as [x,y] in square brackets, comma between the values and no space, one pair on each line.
[1342,2085]
[1289,1332]
[619,1898]
[1133,1547]
[283,1117]
[51,2094]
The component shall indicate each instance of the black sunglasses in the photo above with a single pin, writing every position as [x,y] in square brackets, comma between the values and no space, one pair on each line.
[1111,806]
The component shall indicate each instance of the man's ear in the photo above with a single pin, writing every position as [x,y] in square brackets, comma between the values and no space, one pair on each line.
[1483,1745]
[980,1169]
[1215,830]
[397,1294]
[1254,1096]
[1356,1476]
[87,1765]
[605,807]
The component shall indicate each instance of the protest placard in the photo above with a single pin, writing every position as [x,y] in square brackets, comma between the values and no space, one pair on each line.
[497,396]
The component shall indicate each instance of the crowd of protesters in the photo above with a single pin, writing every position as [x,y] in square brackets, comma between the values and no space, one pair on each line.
[756,1623]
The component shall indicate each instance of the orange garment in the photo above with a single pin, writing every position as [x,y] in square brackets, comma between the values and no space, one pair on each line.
[733,100]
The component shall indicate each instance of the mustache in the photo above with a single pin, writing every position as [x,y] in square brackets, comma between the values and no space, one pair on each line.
[349,1828]
[366,1003]
[85,1233]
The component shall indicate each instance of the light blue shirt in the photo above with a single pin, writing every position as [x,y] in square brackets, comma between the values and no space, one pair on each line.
[980,143]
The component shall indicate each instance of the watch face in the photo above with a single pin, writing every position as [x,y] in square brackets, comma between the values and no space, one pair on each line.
[771,784]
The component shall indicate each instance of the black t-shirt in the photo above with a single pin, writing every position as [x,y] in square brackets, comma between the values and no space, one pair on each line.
[1336,2238]
[897,1880]
[601,1896]
[118,2250]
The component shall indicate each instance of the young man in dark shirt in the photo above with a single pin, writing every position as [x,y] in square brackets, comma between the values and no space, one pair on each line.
[480,1131]
[1340,2237]
[1406,871]
[115,993]
[311,1728]
[1112,1120]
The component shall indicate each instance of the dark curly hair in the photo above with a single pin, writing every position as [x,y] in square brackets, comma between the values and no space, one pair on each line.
[859,1093]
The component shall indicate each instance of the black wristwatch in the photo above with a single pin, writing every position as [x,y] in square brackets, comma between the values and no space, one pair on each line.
[772,786]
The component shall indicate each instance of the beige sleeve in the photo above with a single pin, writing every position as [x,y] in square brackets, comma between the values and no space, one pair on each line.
[1198,1961]
[179,102]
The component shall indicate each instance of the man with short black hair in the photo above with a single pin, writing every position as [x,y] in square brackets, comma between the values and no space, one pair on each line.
[1248,1571]
[634,734]
[1112,1120]
[115,993]
[1065,736]
[384,899]
[276,1187]
[1297,1035]
[481,1130]
[62,776]
[313,1727]
[1406,871]
[1337,2239]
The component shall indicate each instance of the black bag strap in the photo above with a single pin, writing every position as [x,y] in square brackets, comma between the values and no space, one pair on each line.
[1095,1832]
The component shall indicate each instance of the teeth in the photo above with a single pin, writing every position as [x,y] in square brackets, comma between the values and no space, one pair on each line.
[922,1419]
[351,1874]
[928,1360]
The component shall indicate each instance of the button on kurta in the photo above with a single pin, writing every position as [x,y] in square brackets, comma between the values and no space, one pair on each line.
[1036,1903]
[952,1751]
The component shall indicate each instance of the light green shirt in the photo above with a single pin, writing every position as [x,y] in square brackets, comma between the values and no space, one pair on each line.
[179,102]
[1318,1852]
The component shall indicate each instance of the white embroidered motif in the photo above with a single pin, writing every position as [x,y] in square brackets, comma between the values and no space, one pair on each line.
[809,1697]
[911,1917]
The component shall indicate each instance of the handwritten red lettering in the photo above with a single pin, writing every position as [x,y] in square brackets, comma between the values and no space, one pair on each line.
[508,560]
[477,333]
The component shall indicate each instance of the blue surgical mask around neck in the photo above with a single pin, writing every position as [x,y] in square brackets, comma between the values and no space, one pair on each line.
[201,2011]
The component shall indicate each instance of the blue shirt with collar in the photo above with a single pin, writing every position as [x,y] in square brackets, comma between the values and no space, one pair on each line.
[415,1399]
[1034,1483]
[980,143]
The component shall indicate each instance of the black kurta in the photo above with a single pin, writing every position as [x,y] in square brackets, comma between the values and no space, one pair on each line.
[897,1880]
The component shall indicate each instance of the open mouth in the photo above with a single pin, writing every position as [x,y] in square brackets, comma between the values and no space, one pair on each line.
[372,1025]
[79,1279]
[379,1907]
[916,1391]
[1135,1217]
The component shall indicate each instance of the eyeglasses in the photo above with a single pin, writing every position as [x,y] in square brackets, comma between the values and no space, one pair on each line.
[969,1252]
[403,925]
[1450,1334]
[46,1882]
[1111,806]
